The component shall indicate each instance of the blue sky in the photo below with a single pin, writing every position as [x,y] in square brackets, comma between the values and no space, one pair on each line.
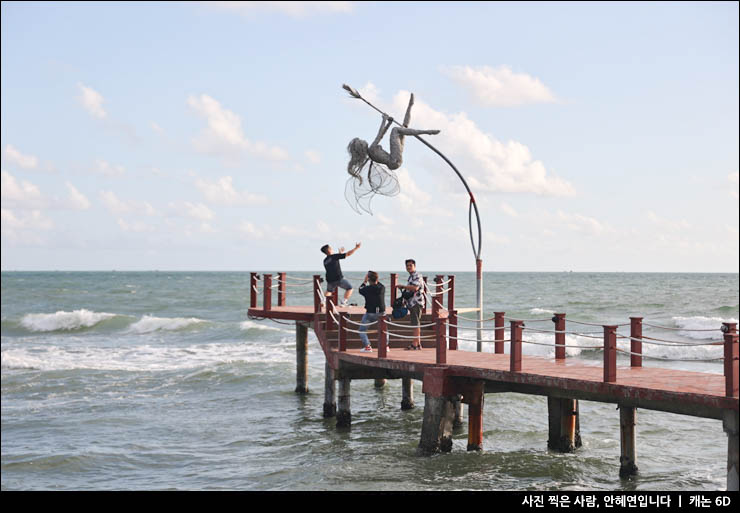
[212,136]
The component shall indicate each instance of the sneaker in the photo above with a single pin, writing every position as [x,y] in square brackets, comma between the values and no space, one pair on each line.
[367,349]
[344,303]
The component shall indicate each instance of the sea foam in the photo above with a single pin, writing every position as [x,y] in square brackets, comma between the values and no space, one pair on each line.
[66,321]
[149,323]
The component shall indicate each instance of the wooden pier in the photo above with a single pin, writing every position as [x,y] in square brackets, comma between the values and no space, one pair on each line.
[452,377]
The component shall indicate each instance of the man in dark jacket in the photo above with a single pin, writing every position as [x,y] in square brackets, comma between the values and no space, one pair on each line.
[334,277]
[374,294]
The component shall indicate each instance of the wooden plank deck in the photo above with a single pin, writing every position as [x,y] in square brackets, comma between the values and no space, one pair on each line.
[678,391]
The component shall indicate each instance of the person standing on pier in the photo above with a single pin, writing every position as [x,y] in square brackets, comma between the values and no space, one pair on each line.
[415,303]
[374,294]
[334,276]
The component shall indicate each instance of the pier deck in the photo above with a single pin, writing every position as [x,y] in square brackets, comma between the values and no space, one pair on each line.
[451,376]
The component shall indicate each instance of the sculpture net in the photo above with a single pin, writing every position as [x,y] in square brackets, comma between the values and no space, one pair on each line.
[360,191]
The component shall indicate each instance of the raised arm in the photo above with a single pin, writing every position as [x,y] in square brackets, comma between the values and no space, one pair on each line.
[357,246]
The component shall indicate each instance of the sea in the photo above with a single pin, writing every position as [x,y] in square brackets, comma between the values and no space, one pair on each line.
[160,381]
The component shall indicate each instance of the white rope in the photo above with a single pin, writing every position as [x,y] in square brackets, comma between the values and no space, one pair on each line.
[592,324]
[671,359]
[474,320]
[526,320]
[409,326]
[660,342]
[475,340]
[678,329]
[482,329]
[438,293]
[356,331]
[441,305]
[298,279]
[360,324]
[563,332]
[410,336]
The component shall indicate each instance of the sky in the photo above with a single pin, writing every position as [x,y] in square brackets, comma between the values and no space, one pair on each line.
[596,137]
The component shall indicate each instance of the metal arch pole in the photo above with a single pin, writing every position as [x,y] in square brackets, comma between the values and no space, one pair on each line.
[473,208]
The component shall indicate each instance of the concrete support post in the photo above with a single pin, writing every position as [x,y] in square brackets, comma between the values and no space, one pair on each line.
[344,415]
[330,392]
[407,400]
[475,421]
[301,357]
[628,458]
[730,425]
[563,426]
[458,421]
[436,430]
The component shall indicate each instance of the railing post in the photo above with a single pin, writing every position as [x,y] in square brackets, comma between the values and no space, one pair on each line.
[342,331]
[316,294]
[559,321]
[731,358]
[267,290]
[394,284]
[516,346]
[441,341]
[253,290]
[281,289]
[435,301]
[452,312]
[440,297]
[636,345]
[498,334]
[382,337]
[329,312]
[610,354]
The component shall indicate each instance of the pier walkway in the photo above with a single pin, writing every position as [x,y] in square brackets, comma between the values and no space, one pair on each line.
[451,377]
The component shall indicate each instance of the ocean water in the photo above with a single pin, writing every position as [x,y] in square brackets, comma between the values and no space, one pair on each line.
[159,381]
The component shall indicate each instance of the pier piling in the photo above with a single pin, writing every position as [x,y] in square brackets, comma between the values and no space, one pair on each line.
[628,458]
[330,391]
[436,429]
[563,425]
[344,416]
[301,352]
[407,400]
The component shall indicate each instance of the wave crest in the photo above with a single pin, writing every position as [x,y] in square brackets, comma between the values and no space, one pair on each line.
[64,321]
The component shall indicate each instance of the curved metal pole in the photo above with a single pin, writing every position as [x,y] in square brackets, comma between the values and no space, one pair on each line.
[473,207]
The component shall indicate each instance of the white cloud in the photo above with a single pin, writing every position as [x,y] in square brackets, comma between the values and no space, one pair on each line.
[667,224]
[500,87]
[250,230]
[224,134]
[92,101]
[76,200]
[492,166]
[198,211]
[107,169]
[16,157]
[293,9]
[24,228]
[581,223]
[112,203]
[23,194]
[222,192]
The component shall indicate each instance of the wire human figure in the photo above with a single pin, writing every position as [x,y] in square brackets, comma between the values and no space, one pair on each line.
[380,178]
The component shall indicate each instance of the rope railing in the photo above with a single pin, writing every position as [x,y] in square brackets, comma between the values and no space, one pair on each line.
[446,327]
